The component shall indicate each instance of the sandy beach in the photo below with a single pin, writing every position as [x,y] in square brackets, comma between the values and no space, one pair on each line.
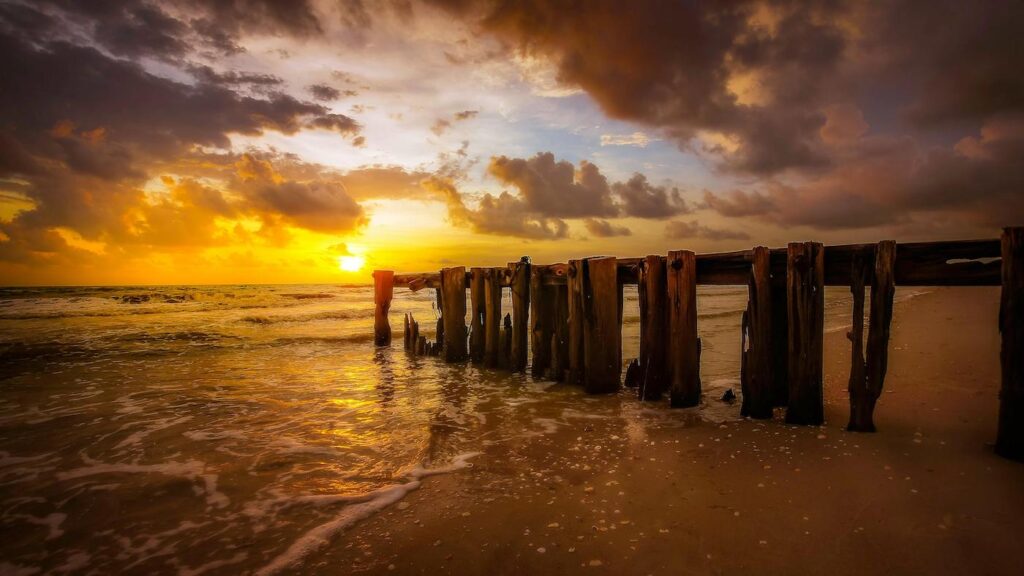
[924,495]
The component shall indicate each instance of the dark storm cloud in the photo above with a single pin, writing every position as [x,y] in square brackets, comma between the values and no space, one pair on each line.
[323,92]
[802,95]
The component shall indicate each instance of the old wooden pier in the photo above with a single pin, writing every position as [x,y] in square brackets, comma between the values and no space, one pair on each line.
[569,315]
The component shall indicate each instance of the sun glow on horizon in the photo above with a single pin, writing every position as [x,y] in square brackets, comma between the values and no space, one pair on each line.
[351,263]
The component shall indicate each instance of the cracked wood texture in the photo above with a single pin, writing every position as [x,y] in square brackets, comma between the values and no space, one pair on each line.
[805,288]
[601,320]
[684,345]
[758,378]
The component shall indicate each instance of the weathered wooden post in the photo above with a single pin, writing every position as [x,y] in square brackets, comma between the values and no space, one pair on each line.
[805,288]
[757,374]
[477,310]
[602,338]
[559,334]
[519,283]
[406,332]
[574,301]
[492,316]
[540,323]
[780,343]
[866,379]
[1010,438]
[652,291]
[383,291]
[684,345]
[453,294]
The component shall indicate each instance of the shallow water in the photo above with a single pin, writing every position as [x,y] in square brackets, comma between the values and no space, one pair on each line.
[234,429]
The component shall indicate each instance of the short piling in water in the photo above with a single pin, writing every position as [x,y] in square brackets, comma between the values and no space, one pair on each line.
[684,345]
[559,334]
[805,286]
[383,290]
[602,364]
[1010,437]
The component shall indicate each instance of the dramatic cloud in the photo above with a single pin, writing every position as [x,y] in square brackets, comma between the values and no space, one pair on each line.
[679,230]
[641,199]
[604,228]
[556,189]
[504,214]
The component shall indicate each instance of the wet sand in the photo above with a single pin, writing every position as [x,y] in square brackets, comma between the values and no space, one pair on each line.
[924,495]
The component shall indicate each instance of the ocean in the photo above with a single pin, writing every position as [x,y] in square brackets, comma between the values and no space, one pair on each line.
[239,429]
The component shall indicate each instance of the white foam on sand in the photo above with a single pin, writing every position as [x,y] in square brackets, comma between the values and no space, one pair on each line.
[193,470]
[359,508]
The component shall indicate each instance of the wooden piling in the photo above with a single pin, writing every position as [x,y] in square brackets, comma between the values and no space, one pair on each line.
[559,333]
[684,345]
[519,283]
[1010,437]
[780,343]
[574,301]
[477,310]
[867,377]
[383,291]
[805,288]
[602,338]
[405,331]
[757,378]
[652,292]
[453,295]
[492,316]
[540,323]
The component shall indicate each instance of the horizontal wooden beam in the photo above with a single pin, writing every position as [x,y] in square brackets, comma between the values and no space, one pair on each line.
[947,263]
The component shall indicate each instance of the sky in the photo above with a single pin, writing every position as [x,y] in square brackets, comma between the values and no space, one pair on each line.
[302,141]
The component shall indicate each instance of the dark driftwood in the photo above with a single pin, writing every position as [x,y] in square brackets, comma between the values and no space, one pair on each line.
[806,309]
[477,310]
[519,282]
[602,336]
[574,373]
[540,324]
[684,346]
[559,333]
[492,316]
[383,290]
[948,263]
[867,379]
[653,296]
[758,379]
[453,294]
[1010,438]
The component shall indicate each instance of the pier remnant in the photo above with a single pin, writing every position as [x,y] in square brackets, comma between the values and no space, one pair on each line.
[519,283]
[492,316]
[383,291]
[477,310]
[559,334]
[805,287]
[602,363]
[1010,437]
[540,323]
[868,376]
[684,345]
[757,372]
[574,300]
[453,297]
[652,293]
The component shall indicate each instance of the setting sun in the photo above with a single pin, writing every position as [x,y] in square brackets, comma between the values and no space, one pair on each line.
[351,263]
